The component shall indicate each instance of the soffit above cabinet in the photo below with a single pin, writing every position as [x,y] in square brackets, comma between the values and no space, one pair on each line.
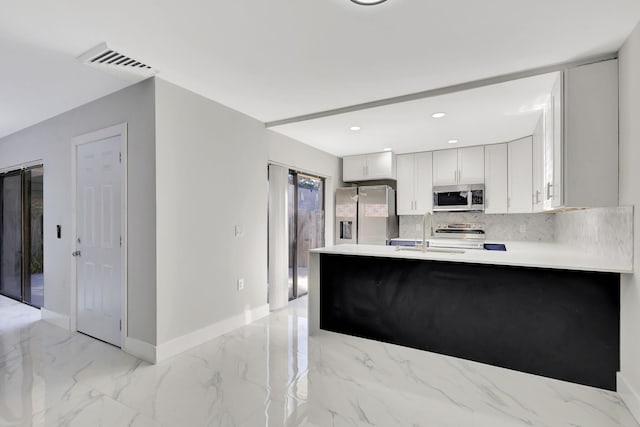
[486,115]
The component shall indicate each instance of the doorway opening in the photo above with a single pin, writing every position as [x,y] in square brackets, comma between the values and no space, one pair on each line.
[21,235]
[306,216]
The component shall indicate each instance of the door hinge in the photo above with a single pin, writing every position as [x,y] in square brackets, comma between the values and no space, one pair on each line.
[120,324]
[120,241]
[120,157]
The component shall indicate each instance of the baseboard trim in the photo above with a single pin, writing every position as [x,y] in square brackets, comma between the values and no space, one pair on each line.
[140,349]
[195,338]
[629,395]
[57,319]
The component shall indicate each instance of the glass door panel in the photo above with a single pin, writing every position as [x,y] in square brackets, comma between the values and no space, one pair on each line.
[291,213]
[11,235]
[34,260]
[309,226]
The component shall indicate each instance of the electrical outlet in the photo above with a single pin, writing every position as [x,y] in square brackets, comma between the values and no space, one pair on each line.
[523,228]
[240,284]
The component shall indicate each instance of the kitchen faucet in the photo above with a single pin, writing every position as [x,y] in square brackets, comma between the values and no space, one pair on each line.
[426,219]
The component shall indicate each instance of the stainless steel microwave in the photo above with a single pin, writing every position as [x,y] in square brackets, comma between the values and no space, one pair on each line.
[458,198]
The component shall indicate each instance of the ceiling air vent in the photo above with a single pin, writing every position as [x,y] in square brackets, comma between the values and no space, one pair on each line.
[105,58]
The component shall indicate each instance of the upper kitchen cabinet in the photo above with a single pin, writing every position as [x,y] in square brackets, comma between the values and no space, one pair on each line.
[369,167]
[458,166]
[538,173]
[509,177]
[496,178]
[520,176]
[445,167]
[414,187]
[580,164]
[590,148]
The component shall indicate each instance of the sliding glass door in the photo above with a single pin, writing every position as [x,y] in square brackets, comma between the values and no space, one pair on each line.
[21,235]
[33,234]
[11,235]
[306,227]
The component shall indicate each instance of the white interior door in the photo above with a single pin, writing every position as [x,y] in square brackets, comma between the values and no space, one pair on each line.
[98,225]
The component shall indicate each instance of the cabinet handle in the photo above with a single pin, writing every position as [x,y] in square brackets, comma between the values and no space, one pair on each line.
[549,192]
[455,176]
[415,204]
[537,197]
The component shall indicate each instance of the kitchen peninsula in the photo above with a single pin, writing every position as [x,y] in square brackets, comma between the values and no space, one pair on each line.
[540,308]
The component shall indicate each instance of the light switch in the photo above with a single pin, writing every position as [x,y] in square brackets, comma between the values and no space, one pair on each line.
[239,231]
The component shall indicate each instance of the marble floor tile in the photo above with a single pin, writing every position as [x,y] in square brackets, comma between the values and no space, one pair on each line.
[271,373]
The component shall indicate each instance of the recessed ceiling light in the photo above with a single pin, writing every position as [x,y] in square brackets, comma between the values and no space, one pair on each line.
[438,115]
[453,141]
[355,128]
[368,2]
[387,149]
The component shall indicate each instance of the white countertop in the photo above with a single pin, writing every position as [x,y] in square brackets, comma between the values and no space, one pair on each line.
[521,254]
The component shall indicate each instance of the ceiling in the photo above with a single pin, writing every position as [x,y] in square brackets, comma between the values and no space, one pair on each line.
[280,58]
[486,115]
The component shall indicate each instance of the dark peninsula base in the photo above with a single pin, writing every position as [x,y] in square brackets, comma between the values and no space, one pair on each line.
[556,323]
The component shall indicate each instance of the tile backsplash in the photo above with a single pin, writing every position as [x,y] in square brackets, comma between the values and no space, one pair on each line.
[524,227]
[605,232]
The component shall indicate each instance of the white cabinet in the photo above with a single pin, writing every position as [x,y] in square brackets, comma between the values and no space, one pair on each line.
[471,165]
[520,176]
[579,165]
[495,178]
[458,166]
[414,187]
[369,167]
[589,168]
[445,167]
[508,175]
[553,156]
[538,145]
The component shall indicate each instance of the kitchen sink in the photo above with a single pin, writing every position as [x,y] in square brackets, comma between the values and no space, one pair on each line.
[419,249]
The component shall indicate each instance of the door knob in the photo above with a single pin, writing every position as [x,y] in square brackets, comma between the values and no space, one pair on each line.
[76,253]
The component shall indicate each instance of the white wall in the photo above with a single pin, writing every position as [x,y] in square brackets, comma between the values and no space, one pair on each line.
[288,152]
[629,66]
[50,141]
[211,176]
[211,165]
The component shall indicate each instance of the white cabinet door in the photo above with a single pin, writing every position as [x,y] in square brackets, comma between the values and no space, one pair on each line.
[471,165]
[445,167]
[558,161]
[495,179]
[353,168]
[520,176]
[423,183]
[406,184]
[380,166]
[538,166]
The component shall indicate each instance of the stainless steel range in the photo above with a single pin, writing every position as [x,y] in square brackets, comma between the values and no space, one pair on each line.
[458,235]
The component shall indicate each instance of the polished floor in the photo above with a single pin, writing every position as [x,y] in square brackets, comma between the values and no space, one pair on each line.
[271,373]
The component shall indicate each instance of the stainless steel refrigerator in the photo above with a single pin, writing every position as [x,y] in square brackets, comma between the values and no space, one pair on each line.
[366,215]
